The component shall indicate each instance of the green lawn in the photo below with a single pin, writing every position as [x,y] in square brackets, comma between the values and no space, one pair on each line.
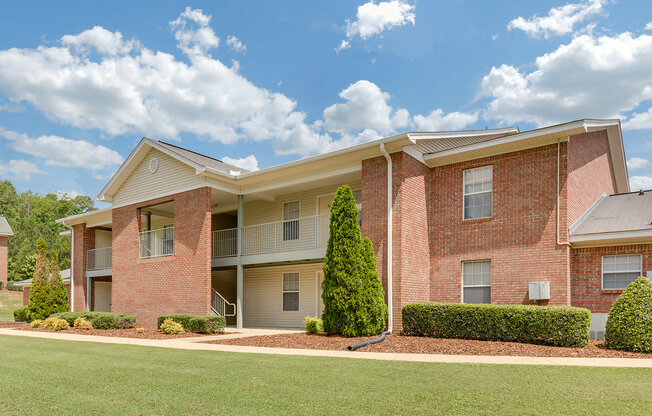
[63,377]
[9,301]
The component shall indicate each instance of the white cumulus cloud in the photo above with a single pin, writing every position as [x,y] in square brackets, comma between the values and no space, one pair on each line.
[67,194]
[637,163]
[249,163]
[559,20]
[373,18]
[640,182]
[437,120]
[19,169]
[235,44]
[59,151]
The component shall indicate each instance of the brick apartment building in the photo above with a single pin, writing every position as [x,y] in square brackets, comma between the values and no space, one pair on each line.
[500,216]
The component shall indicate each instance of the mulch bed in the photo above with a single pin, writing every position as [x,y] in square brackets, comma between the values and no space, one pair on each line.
[149,333]
[423,345]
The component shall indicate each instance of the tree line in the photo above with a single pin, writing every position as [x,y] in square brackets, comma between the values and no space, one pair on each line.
[33,216]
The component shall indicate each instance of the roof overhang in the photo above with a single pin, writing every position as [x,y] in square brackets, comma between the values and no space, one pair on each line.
[611,238]
[98,218]
[541,137]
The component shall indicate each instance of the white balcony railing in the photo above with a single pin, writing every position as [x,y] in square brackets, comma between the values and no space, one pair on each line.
[98,259]
[303,233]
[156,243]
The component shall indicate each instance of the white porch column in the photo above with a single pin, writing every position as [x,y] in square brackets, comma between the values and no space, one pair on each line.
[239,273]
[88,293]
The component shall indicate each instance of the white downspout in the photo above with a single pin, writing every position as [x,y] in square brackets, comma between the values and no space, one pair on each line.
[559,243]
[72,269]
[390,303]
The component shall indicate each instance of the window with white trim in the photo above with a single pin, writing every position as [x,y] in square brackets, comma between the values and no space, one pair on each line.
[290,291]
[619,271]
[476,281]
[478,189]
[291,221]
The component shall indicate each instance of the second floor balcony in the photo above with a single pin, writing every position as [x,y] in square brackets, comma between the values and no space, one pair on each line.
[296,235]
[156,243]
[99,261]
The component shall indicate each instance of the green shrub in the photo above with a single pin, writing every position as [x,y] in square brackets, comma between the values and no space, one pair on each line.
[82,323]
[55,323]
[201,324]
[140,330]
[314,325]
[39,295]
[22,314]
[58,294]
[629,324]
[36,323]
[353,297]
[13,287]
[100,320]
[170,327]
[561,326]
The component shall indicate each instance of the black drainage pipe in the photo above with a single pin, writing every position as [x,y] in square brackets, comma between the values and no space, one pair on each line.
[381,338]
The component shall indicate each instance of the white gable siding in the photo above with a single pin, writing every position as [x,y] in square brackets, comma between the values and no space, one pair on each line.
[171,176]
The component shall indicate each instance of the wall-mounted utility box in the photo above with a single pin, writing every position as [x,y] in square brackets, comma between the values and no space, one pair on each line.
[539,290]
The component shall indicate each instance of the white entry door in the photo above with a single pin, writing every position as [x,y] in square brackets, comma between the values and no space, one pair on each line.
[103,296]
[320,287]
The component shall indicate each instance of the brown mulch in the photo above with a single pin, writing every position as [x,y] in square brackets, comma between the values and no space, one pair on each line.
[149,333]
[423,345]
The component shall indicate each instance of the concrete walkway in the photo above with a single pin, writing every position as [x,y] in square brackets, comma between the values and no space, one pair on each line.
[194,343]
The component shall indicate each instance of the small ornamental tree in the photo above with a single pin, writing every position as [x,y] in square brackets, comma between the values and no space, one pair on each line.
[350,298]
[629,325]
[58,293]
[39,294]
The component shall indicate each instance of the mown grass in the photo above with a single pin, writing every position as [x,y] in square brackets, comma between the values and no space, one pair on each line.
[66,377]
[9,301]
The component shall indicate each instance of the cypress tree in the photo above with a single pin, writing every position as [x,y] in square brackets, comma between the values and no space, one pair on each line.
[58,293]
[351,297]
[39,294]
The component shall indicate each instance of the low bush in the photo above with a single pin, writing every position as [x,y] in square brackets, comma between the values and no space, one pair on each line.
[629,324]
[14,287]
[21,314]
[561,326]
[314,325]
[82,323]
[100,320]
[140,330]
[55,323]
[201,324]
[170,327]
[36,323]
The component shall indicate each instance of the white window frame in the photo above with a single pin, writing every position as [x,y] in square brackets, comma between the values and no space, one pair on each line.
[284,222]
[489,285]
[640,268]
[283,291]
[477,193]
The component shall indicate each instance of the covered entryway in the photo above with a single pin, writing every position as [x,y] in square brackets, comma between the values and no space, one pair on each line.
[102,298]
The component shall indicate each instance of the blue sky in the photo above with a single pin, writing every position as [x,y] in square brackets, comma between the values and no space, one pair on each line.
[261,83]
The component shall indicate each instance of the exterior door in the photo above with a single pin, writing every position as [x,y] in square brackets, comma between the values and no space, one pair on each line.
[320,301]
[102,296]
[324,210]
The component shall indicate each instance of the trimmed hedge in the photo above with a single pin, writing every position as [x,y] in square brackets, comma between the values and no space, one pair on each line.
[629,325]
[100,320]
[201,324]
[22,314]
[561,326]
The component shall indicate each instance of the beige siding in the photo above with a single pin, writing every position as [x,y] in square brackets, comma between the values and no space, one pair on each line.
[102,239]
[224,282]
[170,177]
[263,296]
[258,212]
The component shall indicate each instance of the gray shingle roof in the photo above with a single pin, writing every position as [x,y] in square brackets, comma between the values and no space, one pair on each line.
[5,229]
[65,276]
[203,160]
[621,212]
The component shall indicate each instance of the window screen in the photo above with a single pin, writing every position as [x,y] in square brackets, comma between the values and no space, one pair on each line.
[291,291]
[476,281]
[478,192]
[619,271]
[291,221]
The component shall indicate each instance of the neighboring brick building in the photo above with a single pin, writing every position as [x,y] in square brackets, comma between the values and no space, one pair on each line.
[477,216]
[5,233]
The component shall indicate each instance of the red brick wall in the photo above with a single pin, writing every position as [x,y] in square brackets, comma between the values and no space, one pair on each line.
[374,211]
[176,284]
[590,173]
[586,274]
[3,261]
[519,238]
[83,240]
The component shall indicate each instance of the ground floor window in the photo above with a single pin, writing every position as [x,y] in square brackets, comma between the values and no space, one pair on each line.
[619,271]
[290,291]
[476,281]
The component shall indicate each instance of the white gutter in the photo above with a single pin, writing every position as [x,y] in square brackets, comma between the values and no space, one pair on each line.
[72,269]
[390,302]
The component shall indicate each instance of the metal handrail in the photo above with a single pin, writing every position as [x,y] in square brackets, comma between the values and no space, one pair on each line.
[219,304]
[98,259]
[156,243]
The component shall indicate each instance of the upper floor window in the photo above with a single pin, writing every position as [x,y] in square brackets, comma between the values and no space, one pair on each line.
[478,192]
[291,221]
[619,271]
[476,281]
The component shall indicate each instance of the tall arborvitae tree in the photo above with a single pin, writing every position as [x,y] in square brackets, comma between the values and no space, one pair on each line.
[39,294]
[350,299]
[372,295]
[58,293]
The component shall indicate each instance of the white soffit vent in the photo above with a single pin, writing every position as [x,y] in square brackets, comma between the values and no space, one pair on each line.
[153,165]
